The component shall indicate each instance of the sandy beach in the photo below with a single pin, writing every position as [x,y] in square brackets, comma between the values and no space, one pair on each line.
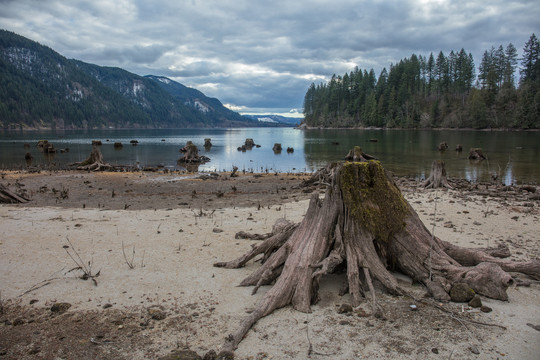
[153,238]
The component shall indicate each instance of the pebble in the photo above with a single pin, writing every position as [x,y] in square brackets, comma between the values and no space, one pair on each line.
[486,309]
[345,309]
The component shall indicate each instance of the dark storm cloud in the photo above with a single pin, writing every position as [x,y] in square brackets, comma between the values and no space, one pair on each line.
[263,55]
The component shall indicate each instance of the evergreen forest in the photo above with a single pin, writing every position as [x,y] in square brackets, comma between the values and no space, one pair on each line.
[435,91]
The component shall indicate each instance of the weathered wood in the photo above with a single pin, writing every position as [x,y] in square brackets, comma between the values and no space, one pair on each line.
[365,222]
[9,197]
[437,177]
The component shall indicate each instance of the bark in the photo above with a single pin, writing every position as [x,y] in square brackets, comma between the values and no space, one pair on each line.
[437,177]
[364,223]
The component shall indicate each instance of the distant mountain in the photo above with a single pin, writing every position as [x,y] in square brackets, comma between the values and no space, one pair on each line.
[40,88]
[275,119]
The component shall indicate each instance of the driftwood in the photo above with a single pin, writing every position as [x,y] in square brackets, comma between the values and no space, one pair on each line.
[365,224]
[437,177]
[9,197]
[94,162]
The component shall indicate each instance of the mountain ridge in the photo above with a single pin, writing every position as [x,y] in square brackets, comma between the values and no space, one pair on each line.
[40,88]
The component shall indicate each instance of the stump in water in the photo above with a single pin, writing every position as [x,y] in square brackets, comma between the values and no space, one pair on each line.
[207,143]
[443,146]
[476,154]
[277,148]
[356,154]
[365,223]
[192,155]
[437,177]
[94,162]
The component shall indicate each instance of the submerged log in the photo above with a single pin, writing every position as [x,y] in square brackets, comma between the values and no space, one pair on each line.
[365,224]
[437,177]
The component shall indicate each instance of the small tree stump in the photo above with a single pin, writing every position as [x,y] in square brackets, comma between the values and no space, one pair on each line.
[94,162]
[356,154]
[437,177]
[207,143]
[191,155]
[249,144]
[277,148]
[443,146]
[476,154]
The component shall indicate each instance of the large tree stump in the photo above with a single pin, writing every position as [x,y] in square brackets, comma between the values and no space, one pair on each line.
[366,224]
[437,176]
[94,162]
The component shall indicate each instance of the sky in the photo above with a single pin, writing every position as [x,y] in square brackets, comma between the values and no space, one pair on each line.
[259,57]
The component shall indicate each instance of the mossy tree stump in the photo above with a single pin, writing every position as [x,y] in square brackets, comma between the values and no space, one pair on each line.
[366,224]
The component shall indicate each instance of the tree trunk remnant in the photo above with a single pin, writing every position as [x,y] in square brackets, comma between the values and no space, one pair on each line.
[94,162]
[437,176]
[476,154]
[366,224]
[191,155]
[443,146]
[357,154]
[277,148]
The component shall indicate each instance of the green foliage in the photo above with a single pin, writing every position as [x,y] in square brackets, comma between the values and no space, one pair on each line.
[370,197]
[434,91]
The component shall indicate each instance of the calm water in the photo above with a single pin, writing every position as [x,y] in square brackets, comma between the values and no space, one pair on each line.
[512,155]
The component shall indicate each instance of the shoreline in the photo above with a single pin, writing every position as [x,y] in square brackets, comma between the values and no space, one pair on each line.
[174,230]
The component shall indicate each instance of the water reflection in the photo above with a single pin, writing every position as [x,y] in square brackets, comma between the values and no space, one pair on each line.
[511,156]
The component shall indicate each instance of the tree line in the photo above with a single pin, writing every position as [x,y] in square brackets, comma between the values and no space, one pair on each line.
[435,91]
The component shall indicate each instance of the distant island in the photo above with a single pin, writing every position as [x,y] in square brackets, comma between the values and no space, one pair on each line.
[41,89]
[435,92]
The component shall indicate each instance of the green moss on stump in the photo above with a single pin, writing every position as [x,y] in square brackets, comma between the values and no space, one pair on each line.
[372,199]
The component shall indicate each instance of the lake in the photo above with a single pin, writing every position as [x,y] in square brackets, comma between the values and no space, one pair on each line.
[513,156]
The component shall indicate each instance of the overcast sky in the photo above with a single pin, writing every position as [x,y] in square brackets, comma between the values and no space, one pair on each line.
[261,56]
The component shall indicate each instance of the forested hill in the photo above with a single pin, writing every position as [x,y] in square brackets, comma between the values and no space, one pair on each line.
[440,91]
[40,88]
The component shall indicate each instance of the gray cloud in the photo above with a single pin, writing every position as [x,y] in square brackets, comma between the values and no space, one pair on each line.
[263,55]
